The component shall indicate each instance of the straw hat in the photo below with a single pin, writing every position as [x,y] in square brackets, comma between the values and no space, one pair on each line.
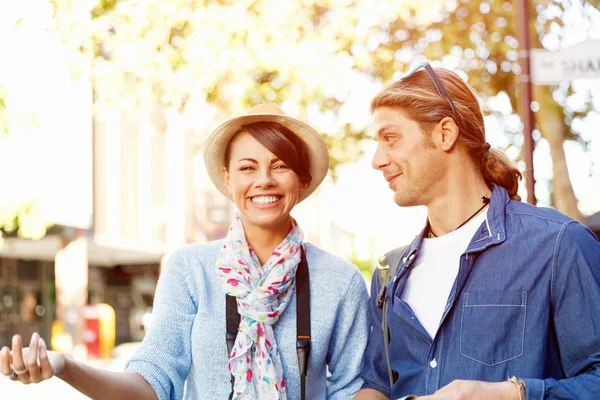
[214,149]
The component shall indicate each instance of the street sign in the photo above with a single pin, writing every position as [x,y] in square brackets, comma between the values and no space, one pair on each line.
[581,61]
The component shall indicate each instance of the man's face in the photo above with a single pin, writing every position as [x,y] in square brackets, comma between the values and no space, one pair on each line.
[409,159]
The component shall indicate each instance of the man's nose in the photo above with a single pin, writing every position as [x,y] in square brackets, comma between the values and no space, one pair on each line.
[380,159]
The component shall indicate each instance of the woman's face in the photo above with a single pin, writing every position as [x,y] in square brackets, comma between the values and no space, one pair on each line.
[264,188]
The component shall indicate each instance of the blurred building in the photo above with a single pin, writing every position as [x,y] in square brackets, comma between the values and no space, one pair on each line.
[121,192]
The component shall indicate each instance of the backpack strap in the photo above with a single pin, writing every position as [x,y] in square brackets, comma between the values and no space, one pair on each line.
[388,265]
[302,324]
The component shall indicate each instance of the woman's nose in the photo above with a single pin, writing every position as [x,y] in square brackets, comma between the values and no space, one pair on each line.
[265,179]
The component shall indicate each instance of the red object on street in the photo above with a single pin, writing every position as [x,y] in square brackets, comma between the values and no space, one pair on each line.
[91,332]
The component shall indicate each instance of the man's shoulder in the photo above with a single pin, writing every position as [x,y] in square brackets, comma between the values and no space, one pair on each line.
[526,211]
[393,257]
[548,221]
[397,252]
[390,261]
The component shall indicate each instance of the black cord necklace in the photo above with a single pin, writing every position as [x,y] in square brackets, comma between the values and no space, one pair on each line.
[486,201]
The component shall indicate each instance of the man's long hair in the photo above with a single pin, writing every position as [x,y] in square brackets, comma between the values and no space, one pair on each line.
[419,100]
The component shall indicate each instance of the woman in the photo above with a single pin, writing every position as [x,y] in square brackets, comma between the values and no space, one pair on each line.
[266,163]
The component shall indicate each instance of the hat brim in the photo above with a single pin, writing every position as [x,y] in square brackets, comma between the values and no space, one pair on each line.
[215,146]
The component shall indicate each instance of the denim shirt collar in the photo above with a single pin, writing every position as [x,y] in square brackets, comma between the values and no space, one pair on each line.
[491,233]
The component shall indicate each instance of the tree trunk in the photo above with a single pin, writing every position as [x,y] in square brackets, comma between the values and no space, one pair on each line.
[553,129]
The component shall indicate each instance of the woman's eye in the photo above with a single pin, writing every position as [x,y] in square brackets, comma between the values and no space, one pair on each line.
[280,166]
[246,168]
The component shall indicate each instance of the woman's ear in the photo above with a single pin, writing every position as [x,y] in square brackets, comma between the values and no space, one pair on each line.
[226,178]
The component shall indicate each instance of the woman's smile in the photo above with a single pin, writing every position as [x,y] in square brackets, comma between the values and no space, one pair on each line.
[265,201]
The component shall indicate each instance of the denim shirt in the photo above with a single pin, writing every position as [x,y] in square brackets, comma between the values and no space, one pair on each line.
[525,303]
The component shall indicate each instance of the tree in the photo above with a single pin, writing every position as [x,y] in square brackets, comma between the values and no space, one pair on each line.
[222,57]
[479,38]
[18,215]
[200,61]
[197,62]
[309,55]
[26,28]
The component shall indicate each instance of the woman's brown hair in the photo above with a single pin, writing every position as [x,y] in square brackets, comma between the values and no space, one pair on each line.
[282,142]
[420,101]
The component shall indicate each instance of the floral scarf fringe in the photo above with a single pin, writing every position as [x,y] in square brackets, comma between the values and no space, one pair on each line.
[263,293]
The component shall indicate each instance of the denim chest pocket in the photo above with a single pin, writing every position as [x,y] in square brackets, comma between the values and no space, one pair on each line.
[492,329]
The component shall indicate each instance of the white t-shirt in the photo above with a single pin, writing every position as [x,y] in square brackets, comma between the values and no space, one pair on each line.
[434,271]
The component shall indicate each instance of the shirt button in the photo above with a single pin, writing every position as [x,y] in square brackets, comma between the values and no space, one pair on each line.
[433,363]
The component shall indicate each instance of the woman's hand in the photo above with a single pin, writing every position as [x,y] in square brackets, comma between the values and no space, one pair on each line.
[38,363]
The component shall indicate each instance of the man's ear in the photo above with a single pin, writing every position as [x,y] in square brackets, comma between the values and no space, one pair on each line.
[226,178]
[446,134]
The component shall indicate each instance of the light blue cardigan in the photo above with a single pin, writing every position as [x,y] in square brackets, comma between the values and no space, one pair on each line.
[185,346]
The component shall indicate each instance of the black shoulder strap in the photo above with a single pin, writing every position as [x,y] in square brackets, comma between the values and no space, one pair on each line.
[302,323]
[233,322]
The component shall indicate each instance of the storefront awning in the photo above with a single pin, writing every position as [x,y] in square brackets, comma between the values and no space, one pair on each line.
[100,252]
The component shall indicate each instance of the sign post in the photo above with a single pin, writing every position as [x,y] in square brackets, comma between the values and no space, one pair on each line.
[525,97]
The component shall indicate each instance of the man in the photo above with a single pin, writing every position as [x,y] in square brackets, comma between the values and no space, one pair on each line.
[492,288]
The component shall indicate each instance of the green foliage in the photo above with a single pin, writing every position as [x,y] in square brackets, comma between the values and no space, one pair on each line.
[481,34]
[366,267]
[102,7]
[3,116]
[235,54]
[185,57]
[480,39]
[230,55]
[24,219]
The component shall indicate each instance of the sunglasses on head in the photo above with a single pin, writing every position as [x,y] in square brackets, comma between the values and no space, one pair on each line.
[437,82]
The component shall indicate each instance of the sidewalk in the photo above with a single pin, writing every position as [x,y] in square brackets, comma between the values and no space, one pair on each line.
[51,389]
[55,388]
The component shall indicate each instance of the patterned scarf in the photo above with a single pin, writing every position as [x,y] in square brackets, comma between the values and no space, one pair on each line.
[263,294]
